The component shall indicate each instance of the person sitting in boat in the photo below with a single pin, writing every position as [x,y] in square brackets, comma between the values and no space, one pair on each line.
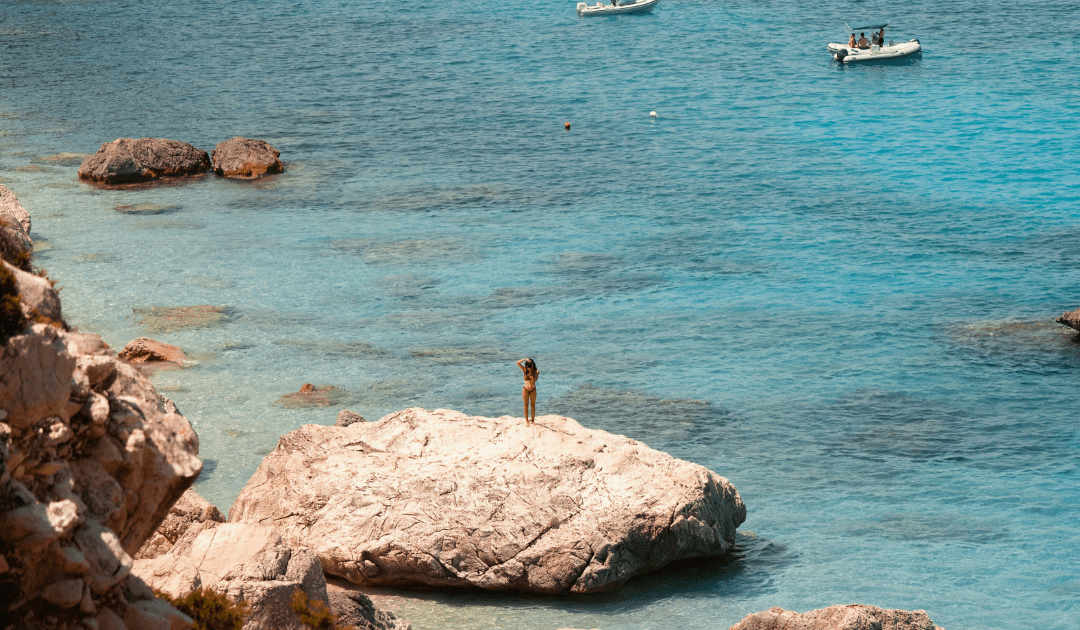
[863,42]
[851,42]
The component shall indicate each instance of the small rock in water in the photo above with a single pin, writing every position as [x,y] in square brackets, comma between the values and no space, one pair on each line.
[244,158]
[146,350]
[346,417]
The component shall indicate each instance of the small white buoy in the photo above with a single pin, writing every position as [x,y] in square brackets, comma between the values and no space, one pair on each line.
[653,114]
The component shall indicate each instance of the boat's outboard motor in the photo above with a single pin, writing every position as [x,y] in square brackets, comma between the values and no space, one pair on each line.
[840,54]
[581,6]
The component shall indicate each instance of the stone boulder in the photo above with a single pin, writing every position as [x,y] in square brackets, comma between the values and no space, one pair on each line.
[441,499]
[38,300]
[346,417]
[146,350]
[16,246]
[1070,319]
[246,563]
[89,466]
[839,617]
[127,161]
[191,513]
[244,158]
[353,609]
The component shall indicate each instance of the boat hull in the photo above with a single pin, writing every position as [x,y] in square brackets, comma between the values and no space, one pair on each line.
[847,54]
[642,6]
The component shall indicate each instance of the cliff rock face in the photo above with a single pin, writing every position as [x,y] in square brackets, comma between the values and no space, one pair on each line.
[839,617]
[89,465]
[244,158]
[191,513]
[126,161]
[15,243]
[441,499]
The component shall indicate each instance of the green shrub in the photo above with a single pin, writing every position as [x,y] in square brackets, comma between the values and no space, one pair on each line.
[12,319]
[209,610]
[314,614]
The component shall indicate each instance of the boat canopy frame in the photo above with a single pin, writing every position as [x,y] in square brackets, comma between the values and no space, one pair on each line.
[868,27]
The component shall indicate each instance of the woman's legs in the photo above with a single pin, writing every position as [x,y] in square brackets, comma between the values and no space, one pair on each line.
[525,398]
[531,399]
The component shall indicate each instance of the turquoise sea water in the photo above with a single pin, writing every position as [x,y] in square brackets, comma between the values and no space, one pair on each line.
[833,285]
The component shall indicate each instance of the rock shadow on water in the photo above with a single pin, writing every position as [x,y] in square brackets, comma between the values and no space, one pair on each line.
[749,570]
[677,423]
[162,319]
[931,528]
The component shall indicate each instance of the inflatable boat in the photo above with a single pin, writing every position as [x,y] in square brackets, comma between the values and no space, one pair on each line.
[627,6]
[853,54]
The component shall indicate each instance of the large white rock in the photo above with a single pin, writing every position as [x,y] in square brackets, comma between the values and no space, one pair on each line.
[441,499]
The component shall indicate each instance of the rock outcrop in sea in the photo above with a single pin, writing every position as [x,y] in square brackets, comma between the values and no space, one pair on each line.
[1070,319]
[127,161]
[89,465]
[441,499]
[244,158]
[839,617]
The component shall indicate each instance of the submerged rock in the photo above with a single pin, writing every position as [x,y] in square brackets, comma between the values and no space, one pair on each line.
[1070,319]
[839,617]
[441,499]
[146,350]
[313,396]
[173,318]
[127,161]
[244,158]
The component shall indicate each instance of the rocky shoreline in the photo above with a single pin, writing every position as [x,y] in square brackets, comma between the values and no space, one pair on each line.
[96,467]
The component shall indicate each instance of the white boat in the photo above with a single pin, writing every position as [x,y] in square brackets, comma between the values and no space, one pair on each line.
[627,6]
[853,54]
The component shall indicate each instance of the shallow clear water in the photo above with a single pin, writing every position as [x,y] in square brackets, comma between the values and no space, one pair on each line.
[833,285]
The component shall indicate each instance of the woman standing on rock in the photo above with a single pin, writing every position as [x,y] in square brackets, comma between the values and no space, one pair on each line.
[528,391]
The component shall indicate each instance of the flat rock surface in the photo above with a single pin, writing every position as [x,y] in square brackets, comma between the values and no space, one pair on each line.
[126,161]
[441,499]
[839,617]
[244,158]
[146,350]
